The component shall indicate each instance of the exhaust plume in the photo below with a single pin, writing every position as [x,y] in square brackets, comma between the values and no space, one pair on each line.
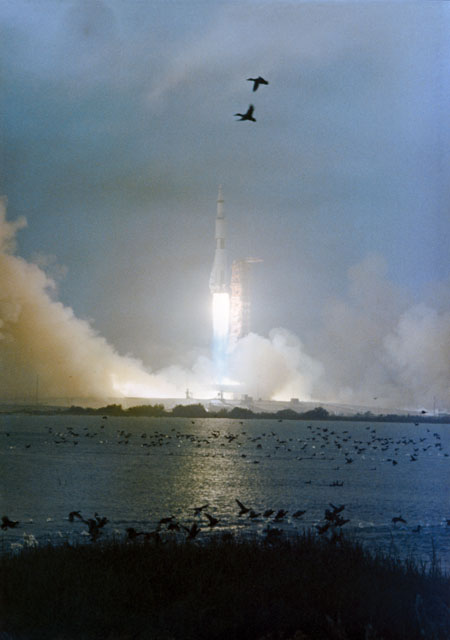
[374,348]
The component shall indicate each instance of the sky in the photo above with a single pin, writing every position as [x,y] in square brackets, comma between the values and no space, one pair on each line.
[117,127]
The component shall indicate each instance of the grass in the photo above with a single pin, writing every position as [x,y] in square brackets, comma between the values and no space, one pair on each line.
[307,588]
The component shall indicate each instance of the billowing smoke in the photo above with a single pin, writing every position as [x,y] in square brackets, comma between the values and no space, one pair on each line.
[276,367]
[45,349]
[378,348]
[375,348]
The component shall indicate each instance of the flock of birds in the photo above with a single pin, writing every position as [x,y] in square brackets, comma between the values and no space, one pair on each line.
[318,442]
[248,115]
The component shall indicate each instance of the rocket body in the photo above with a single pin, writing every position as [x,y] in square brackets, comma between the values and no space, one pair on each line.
[218,277]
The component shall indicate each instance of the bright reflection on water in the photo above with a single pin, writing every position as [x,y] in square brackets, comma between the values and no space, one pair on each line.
[138,470]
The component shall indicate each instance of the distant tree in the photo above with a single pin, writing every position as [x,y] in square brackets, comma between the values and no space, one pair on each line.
[222,413]
[189,411]
[147,410]
[287,414]
[319,413]
[240,412]
[112,410]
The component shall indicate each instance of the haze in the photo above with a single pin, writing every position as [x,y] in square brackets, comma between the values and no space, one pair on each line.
[117,128]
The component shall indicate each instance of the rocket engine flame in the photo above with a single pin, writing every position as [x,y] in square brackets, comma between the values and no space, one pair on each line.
[221,315]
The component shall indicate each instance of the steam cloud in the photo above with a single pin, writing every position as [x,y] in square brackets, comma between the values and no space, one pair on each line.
[374,345]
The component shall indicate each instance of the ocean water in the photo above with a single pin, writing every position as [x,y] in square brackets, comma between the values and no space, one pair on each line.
[136,471]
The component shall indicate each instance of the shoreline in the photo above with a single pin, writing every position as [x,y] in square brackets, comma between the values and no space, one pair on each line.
[198,410]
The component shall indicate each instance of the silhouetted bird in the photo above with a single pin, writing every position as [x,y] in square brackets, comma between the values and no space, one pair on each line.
[243,508]
[280,514]
[267,513]
[198,510]
[248,115]
[8,524]
[337,509]
[212,520]
[298,513]
[398,519]
[321,528]
[100,521]
[75,514]
[257,81]
[193,531]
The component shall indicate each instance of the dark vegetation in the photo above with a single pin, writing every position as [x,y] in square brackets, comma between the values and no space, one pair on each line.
[199,411]
[306,588]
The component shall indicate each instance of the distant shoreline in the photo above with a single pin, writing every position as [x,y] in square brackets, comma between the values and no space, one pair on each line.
[238,413]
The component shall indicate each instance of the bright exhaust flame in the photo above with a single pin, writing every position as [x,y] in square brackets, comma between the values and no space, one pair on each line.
[221,320]
[221,315]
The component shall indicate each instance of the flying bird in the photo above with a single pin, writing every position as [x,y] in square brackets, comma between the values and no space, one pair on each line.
[248,115]
[8,524]
[243,508]
[398,519]
[198,510]
[75,514]
[212,520]
[192,531]
[257,81]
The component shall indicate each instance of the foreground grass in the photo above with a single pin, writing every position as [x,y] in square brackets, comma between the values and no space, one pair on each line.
[302,589]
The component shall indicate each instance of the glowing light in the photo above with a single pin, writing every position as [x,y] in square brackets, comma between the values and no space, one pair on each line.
[221,314]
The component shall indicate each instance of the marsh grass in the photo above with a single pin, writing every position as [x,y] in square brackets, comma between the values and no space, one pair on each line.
[307,587]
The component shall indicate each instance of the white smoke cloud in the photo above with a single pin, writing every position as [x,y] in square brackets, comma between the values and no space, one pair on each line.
[418,352]
[373,347]
[43,343]
[378,348]
[274,367]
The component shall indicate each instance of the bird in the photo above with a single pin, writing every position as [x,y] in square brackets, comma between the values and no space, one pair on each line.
[248,115]
[337,509]
[243,508]
[280,514]
[75,514]
[198,510]
[193,531]
[212,520]
[267,513]
[398,519]
[8,524]
[298,513]
[322,528]
[257,81]
[100,521]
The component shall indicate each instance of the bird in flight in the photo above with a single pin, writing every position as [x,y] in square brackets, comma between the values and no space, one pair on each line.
[257,81]
[8,524]
[248,115]
[242,507]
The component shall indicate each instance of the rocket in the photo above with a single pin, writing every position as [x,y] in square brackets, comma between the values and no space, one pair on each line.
[217,279]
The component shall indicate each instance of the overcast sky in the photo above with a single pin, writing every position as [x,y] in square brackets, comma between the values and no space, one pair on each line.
[117,128]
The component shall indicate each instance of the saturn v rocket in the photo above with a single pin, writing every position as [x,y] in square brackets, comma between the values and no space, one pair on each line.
[218,278]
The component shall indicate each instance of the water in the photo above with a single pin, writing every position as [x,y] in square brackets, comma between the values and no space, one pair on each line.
[136,471]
